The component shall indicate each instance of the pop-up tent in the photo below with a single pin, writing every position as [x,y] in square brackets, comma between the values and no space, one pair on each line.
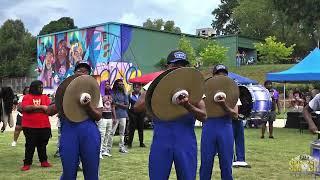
[307,70]
[146,78]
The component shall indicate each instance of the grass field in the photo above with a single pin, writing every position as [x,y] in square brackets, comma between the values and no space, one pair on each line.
[269,158]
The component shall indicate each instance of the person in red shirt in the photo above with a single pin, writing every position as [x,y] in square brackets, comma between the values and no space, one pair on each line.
[35,124]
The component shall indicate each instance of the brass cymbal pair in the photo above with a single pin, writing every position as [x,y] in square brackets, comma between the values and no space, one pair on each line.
[188,81]
[68,95]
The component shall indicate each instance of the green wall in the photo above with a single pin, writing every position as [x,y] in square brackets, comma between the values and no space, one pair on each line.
[150,46]
[233,43]
[230,42]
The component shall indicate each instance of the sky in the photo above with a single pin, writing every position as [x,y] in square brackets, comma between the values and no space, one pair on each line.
[189,15]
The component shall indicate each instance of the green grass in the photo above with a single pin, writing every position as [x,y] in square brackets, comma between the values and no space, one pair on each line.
[269,158]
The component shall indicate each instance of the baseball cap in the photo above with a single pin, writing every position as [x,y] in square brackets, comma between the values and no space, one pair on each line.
[176,56]
[219,67]
[83,64]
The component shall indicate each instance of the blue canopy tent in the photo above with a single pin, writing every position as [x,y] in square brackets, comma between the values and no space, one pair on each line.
[240,79]
[305,71]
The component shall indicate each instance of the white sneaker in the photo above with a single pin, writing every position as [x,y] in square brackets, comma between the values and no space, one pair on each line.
[14,143]
[106,153]
[123,150]
[101,157]
[236,163]
[241,164]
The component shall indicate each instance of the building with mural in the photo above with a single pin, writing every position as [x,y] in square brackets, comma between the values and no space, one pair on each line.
[115,51]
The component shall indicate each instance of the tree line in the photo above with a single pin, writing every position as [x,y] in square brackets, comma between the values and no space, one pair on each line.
[289,21]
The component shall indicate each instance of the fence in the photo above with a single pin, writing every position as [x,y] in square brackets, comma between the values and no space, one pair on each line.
[17,84]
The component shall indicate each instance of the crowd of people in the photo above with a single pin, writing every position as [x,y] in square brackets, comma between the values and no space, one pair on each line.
[87,142]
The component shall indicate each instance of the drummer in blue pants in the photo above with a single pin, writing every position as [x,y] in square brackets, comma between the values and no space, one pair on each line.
[174,141]
[217,138]
[81,139]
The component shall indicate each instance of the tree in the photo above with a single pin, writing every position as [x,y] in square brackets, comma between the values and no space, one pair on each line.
[260,19]
[12,29]
[185,45]
[170,26]
[149,24]
[156,24]
[11,33]
[304,13]
[272,52]
[159,24]
[30,46]
[255,18]
[213,54]
[17,49]
[224,24]
[203,43]
[62,24]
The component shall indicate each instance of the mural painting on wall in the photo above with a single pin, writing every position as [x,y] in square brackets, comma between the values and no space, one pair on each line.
[103,47]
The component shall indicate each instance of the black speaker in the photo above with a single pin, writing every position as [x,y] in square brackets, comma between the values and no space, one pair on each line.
[293,120]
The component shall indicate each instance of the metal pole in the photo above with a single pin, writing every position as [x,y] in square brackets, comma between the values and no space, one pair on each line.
[284,104]
[284,97]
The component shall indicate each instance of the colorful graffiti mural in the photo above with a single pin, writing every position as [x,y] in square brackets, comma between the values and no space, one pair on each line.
[103,47]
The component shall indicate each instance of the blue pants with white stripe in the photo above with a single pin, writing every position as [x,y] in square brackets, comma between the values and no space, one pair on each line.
[80,140]
[173,142]
[217,138]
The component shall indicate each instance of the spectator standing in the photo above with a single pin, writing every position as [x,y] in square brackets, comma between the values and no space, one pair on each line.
[271,116]
[121,103]
[136,119]
[105,124]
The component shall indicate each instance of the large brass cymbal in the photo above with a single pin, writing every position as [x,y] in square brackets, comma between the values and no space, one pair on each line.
[72,108]
[159,99]
[150,90]
[60,93]
[217,84]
